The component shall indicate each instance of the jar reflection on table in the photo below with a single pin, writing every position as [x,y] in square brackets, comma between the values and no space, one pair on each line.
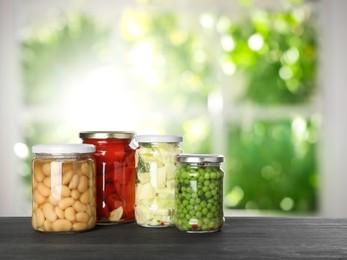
[115,170]
[199,193]
[155,179]
[63,188]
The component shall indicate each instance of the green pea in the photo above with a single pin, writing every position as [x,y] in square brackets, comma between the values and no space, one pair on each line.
[214,209]
[207,175]
[213,175]
[197,207]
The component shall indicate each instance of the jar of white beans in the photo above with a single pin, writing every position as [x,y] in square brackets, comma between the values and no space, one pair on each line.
[63,188]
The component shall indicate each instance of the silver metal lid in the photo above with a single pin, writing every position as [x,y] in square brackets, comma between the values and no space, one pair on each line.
[107,134]
[200,158]
[158,139]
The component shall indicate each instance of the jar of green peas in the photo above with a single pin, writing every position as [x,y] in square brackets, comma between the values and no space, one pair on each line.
[199,193]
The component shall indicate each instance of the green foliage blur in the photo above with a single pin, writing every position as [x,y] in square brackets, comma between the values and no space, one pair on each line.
[276,51]
[270,164]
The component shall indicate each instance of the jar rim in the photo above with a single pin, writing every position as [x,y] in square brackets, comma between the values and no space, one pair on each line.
[107,134]
[200,158]
[63,148]
[158,139]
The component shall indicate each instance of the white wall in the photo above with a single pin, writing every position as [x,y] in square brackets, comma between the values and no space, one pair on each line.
[333,160]
[334,92]
[11,190]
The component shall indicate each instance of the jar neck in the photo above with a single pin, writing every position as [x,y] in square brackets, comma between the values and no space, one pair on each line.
[156,144]
[106,141]
[63,155]
[201,164]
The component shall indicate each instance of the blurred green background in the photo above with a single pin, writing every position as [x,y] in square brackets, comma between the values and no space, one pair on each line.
[248,79]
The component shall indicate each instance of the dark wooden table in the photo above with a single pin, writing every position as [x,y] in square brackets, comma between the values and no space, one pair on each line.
[241,238]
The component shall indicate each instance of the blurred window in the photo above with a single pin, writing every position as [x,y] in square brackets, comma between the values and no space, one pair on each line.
[236,79]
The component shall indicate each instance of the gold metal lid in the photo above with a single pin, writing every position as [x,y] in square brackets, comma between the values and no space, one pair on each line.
[107,134]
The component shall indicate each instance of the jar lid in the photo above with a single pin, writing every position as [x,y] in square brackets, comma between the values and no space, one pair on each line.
[107,134]
[63,148]
[158,139]
[200,158]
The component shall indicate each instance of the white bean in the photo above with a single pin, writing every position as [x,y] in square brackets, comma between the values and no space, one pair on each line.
[47,182]
[46,169]
[59,212]
[79,206]
[82,217]
[74,182]
[85,197]
[70,214]
[83,184]
[49,212]
[39,176]
[38,198]
[47,225]
[66,202]
[67,176]
[43,190]
[61,225]
[40,218]
[78,226]
[75,194]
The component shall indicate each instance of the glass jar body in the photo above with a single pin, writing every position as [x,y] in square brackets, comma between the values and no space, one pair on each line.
[199,197]
[155,184]
[115,179]
[63,193]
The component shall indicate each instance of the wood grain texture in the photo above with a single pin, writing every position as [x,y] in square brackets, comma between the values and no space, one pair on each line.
[240,238]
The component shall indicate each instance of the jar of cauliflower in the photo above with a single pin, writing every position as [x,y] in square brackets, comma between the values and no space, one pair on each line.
[63,188]
[155,179]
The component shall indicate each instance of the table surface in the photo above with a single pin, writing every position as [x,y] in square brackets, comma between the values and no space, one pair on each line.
[240,238]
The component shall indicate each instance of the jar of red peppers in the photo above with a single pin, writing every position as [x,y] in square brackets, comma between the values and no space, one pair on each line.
[115,175]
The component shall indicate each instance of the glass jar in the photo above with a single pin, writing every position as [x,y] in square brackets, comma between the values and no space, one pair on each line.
[63,188]
[199,193]
[115,175]
[155,179]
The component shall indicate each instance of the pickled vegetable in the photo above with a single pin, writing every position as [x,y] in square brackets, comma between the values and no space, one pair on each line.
[63,195]
[155,182]
[199,198]
[115,169]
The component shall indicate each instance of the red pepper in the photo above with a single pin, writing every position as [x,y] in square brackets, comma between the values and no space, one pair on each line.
[113,201]
[102,209]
